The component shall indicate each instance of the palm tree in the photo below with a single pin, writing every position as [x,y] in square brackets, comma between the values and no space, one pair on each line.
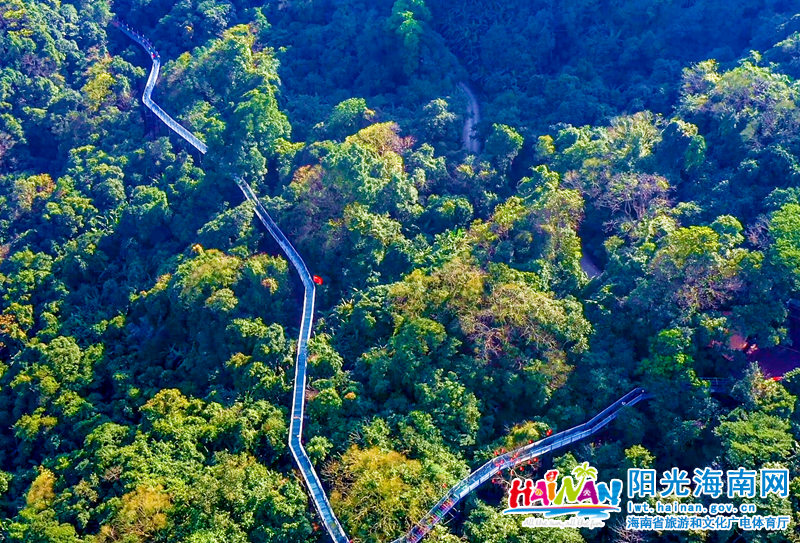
[584,471]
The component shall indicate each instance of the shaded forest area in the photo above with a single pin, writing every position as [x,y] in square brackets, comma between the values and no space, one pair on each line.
[147,324]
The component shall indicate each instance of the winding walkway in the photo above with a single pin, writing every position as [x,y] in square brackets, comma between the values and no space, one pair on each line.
[332,525]
[466,485]
[473,118]
[518,456]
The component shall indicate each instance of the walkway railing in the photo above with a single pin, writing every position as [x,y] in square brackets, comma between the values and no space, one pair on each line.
[515,457]
[331,523]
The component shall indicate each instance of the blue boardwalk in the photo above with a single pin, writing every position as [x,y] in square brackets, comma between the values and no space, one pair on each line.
[332,525]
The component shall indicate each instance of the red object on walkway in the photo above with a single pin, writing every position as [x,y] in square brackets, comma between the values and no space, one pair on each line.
[317,279]
[549,432]
[778,378]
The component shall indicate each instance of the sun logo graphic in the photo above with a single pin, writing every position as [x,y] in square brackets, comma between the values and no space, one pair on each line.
[578,494]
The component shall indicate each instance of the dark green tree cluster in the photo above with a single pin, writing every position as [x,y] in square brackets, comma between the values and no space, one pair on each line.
[632,219]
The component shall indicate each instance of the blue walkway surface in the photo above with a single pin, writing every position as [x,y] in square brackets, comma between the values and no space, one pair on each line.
[515,457]
[332,525]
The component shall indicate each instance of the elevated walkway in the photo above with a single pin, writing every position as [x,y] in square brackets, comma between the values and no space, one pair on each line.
[318,497]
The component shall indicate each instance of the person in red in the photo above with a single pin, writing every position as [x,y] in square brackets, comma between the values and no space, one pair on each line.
[317,279]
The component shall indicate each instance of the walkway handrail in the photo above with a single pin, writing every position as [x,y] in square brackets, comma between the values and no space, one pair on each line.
[332,525]
[515,457]
[528,452]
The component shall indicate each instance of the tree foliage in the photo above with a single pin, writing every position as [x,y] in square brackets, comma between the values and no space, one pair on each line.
[632,221]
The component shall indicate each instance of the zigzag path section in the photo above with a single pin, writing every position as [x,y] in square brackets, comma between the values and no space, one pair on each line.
[329,520]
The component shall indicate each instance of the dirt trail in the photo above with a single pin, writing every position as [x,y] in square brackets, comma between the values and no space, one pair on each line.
[473,118]
[589,267]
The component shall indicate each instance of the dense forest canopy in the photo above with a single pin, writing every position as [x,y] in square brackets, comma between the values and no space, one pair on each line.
[148,324]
